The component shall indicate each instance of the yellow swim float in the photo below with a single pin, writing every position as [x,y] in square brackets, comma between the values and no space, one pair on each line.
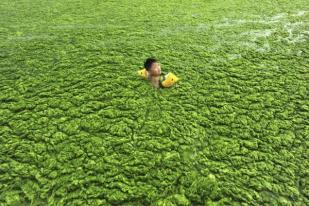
[167,80]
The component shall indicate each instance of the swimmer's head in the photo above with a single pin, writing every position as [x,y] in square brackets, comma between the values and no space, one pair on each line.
[153,66]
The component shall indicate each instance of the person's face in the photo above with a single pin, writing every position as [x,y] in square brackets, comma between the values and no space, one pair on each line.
[155,69]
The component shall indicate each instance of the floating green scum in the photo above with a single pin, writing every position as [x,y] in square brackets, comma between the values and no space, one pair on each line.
[79,127]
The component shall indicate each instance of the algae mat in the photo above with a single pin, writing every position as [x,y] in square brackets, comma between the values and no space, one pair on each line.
[79,127]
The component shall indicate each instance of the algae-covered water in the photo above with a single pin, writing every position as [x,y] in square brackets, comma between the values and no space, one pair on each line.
[79,127]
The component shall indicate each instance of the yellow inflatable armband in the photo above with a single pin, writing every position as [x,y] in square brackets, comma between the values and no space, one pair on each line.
[143,73]
[170,80]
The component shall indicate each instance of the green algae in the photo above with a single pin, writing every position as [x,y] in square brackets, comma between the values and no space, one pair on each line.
[79,127]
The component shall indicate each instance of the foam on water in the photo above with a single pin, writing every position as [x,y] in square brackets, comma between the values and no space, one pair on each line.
[258,33]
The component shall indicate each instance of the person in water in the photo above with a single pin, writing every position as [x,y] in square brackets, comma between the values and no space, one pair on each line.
[155,76]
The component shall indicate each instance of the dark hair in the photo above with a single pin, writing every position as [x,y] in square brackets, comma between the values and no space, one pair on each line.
[149,62]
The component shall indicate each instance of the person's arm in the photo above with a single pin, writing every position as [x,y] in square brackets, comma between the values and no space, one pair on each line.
[162,78]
